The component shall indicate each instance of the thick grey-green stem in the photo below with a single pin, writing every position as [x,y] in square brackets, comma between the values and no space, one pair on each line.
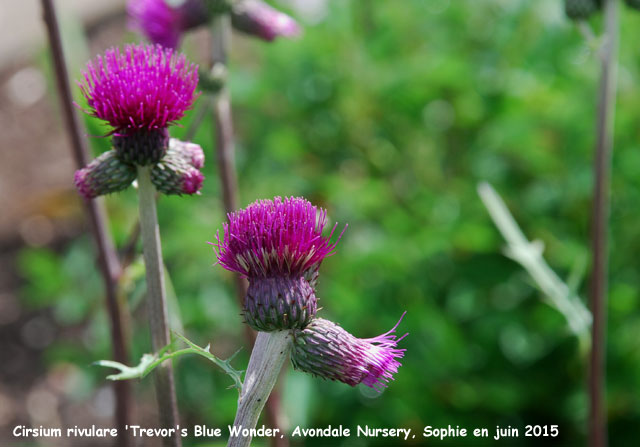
[157,303]
[600,226]
[267,357]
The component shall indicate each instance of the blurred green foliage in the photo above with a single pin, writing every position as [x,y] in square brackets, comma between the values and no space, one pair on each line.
[388,114]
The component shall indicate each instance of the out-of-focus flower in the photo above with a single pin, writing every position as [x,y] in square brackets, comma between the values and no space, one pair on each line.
[278,245]
[257,18]
[104,175]
[324,349]
[179,170]
[140,92]
[163,23]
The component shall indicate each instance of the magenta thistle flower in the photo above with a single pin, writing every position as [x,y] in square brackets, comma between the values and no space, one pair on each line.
[278,245]
[140,92]
[275,238]
[164,24]
[326,350]
[257,18]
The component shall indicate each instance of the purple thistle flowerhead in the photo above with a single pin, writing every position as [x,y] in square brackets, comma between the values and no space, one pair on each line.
[257,18]
[324,349]
[278,245]
[163,23]
[279,237]
[140,92]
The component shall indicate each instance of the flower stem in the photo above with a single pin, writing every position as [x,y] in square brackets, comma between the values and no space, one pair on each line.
[225,155]
[529,256]
[157,303]
[600,224]
[110,268]
[267,357]
[225,147]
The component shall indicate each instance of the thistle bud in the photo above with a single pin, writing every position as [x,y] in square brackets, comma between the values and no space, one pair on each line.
[104,175]
[256,18]
[324,349]
[191,152]
[164,21]
[176,172]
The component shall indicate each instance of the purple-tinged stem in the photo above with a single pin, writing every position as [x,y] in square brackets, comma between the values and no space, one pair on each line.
[225,155]
[157,304]
[600,227]
[225,147]
[108,261]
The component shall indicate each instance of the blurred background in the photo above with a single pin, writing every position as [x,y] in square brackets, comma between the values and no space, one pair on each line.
[388,114]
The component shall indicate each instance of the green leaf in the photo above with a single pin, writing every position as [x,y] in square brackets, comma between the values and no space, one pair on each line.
[149,362]
[128,372]
[225,365]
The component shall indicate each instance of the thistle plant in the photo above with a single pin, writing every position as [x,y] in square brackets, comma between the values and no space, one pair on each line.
[278,246]
[165,22]
[140,92]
